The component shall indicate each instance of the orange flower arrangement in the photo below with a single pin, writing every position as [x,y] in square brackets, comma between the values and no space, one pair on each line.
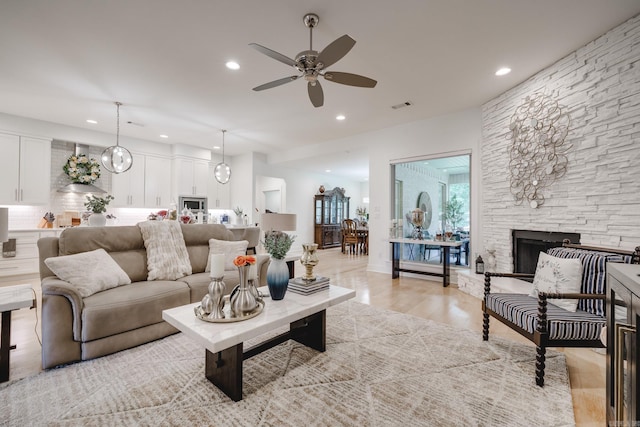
[241,260]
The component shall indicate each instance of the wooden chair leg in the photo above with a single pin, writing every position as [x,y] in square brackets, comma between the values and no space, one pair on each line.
[485,327]
[540,358]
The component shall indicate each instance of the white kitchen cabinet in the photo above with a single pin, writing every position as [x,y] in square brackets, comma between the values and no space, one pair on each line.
[157,182]
[26,170]
[128,188]
[191,177]
[25,259]
[219,196]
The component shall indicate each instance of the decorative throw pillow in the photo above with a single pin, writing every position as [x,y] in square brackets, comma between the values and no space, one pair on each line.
[88,272]
[167,256]
[558,275]
[230,249]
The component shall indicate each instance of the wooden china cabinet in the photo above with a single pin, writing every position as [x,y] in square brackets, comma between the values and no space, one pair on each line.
[330,208]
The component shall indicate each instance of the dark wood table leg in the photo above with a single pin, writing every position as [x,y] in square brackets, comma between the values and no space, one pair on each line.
[445,266]
[5,346]
[224,370]
[311,331]
[395,260]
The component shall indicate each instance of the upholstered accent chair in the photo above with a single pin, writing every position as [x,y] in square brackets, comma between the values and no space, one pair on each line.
[548,325]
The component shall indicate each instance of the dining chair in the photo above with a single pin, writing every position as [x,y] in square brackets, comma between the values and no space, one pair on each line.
[350,235]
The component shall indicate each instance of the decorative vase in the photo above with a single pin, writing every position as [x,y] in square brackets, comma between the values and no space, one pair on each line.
[97,220]
[277,278]
[216,297]
[309,259]
[242,300]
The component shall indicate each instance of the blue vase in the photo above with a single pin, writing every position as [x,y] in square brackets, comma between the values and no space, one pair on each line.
[277,278]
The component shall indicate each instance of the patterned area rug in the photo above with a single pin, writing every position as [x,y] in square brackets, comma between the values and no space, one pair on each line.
[381,368]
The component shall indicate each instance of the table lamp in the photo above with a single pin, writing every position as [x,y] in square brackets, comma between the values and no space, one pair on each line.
[278,222]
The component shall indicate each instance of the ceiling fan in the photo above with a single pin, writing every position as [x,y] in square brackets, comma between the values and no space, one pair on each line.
[313,64]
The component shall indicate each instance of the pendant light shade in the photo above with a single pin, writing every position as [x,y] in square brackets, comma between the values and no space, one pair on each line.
[117,159]
[222,172]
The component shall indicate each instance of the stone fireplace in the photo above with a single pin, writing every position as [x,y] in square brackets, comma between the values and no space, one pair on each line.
[527,245]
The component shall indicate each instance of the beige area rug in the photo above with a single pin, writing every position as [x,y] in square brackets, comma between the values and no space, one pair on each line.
[381,368]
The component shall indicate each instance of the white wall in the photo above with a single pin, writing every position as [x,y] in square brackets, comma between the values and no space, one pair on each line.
[599,197]
[452,134]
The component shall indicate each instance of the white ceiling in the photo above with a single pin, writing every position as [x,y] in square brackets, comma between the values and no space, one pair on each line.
[65,61]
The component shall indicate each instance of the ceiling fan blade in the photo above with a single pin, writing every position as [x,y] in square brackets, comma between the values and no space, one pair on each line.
[316,95]
[335,51]
[275,83]
[349,79]
[273,54]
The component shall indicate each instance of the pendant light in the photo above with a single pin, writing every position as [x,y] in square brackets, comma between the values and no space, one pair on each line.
[117,159]
[222,171]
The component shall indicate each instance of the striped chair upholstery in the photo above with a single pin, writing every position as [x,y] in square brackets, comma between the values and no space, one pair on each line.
[522,310]
[594,274]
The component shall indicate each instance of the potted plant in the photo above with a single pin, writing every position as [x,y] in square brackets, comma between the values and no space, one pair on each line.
[277,244]
[453,212]
[238,211]
[97,206]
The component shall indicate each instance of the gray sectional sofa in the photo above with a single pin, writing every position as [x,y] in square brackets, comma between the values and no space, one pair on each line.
[76,328]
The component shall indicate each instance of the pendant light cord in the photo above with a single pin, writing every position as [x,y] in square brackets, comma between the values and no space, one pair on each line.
[118,104]
[223,132]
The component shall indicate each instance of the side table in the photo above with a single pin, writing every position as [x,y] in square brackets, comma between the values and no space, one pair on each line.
[11,298]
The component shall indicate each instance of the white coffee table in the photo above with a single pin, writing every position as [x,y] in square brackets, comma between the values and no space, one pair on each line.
[305,315]
[11,298]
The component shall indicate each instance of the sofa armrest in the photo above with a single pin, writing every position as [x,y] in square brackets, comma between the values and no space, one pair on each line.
[262,263]
[55,286]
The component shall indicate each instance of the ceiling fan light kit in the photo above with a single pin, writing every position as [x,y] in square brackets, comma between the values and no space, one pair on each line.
[117,159]
[313,64]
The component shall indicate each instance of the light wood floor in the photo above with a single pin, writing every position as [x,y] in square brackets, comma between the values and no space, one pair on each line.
[419,297]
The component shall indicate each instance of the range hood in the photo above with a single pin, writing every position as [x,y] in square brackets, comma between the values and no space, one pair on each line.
[75,187]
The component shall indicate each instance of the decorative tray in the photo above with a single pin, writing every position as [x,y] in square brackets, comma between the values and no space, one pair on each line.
[227,314]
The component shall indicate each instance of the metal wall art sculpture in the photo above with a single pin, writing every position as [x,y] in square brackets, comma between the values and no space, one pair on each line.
[538,153]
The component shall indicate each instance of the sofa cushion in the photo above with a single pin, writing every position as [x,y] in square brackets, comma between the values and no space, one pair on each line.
[558,275]
[167,257]
[120,242]
[127,308]
[89,272]
[230,249]
[199,283]
[561,324]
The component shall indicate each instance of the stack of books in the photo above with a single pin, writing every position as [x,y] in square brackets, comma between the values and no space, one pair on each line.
[300,286]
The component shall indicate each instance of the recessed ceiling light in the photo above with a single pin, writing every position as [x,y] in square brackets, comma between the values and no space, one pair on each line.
[327,170]
[503,71]
[340,117]
[216,147]
[164,136]
[93,122]
[232,65]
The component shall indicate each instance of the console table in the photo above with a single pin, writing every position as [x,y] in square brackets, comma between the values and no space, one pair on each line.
[445,245]
[11,298]
[623,357]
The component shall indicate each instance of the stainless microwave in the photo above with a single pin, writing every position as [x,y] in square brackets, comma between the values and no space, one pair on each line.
[195,204]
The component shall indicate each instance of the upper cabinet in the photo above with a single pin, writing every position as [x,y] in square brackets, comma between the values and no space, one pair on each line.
[157,182]
[128,188]
[26,170]
[191,177]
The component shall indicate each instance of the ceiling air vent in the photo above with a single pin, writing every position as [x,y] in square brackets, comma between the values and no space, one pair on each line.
[404,104]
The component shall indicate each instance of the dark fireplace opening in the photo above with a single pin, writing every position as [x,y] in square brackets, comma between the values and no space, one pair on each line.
[527,246]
